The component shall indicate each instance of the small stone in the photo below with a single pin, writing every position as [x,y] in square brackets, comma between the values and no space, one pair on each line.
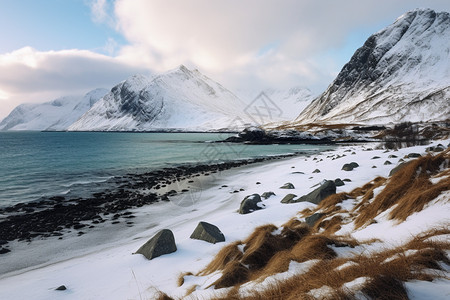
[338,182]
[267,195]
[392,156]
[387,163]
[374,167]
[376,157]
[258,182]
[414,155]
[288,185]
[288,198]
[347,180]
[61,288]
[350,166]
[316,171]
[312,220]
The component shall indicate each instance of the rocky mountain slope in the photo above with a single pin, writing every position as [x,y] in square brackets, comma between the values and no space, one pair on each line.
[54,115]
[180,99]
[401,73]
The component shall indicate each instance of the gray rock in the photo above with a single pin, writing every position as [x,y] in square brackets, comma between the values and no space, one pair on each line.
[414,155]
[267,195]
[288,186]
[350,166]
[376,157]
[392,156]
[61,288]
[438,148]
[387,163]
[347,180]
[326,189]
[288,198]
[338,182]
[316,171]
[398,168]
[208,232]
[162,243]
[311,220]
[250,204]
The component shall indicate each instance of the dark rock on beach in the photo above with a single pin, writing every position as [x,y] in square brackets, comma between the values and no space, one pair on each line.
[267,195]
[208,232]
[312,220]
[289,198]
[162,243]
[326,189]
[350,166]
[250,204]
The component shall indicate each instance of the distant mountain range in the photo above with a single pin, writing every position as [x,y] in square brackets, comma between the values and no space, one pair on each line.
[401,73]
[54,115]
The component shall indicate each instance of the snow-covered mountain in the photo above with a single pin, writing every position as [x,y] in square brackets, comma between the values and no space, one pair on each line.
[58,114]
[288,102]
[401,73]
[178,99]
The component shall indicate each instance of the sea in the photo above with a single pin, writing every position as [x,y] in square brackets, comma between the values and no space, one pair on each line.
[36,165]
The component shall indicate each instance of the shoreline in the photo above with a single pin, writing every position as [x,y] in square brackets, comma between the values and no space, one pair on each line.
[91,273]
[57,218]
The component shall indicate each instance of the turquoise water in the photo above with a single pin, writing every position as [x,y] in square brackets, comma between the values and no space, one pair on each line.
[43,164]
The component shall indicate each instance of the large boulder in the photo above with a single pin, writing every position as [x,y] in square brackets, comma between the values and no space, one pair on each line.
[327,188]
[162,243]
[398,168]
[208,232]
[250,204]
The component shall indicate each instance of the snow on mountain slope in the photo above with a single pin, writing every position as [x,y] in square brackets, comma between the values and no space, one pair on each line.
[401,73]
[178,99]
[54,115]
[289,102]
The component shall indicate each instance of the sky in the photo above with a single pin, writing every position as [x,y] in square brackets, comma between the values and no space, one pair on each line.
[54,48]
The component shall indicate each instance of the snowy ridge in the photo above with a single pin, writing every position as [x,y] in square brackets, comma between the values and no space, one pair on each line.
[58,114]
[178,99]
[401,73]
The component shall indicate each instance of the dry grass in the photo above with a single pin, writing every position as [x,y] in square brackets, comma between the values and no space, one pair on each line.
[386,273]
[409,188]
[269,250]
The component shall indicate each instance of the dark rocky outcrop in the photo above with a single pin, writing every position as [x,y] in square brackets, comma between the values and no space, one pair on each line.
[414,155]
[250,204]
[162,243]
[208,232]
[326,189]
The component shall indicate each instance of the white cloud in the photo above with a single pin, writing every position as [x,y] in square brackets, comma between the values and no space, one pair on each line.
[266,42]
[28,75]
[252,43]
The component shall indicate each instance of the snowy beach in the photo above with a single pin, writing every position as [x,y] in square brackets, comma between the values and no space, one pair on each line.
[111,271]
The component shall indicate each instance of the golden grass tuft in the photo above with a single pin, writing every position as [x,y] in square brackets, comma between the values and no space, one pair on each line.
[234,273]
[180,280]
[227,254]
[313,247]
[410,188]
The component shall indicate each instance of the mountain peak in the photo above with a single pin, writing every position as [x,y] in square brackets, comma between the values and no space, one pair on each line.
[398,72]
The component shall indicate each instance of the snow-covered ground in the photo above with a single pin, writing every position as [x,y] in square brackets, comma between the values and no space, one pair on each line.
[113,272]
